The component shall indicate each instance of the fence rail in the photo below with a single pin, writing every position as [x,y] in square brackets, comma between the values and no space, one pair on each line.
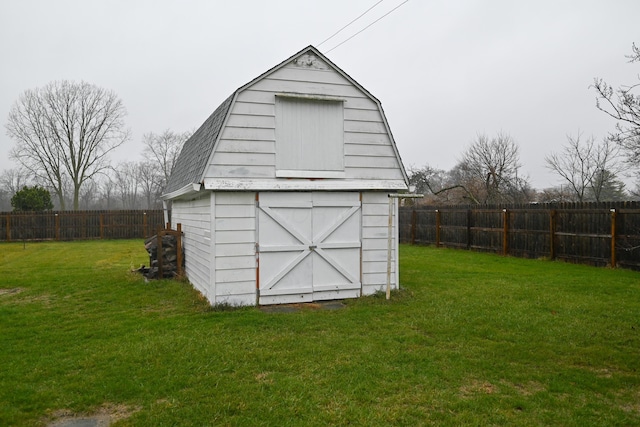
[597,234]
[79,225]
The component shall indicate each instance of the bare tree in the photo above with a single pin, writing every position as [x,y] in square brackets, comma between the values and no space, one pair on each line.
[586,167]
[88,195]
[108,189]
[127,184]
[489,170]
[607,187]
[5,200]
[440,186]
[151,184]
[12,180]
[163,149]
[426,179]
[66,128]
[556,194]
[623,104]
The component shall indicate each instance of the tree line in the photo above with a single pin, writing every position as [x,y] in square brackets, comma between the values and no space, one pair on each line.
[65,132]
[489,170]
[126,185]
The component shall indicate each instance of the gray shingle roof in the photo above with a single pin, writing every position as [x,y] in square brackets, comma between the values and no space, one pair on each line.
[192,161]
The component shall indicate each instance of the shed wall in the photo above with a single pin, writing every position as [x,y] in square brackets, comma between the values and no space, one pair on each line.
[235,249]
[247,146]
[195,217]
[375,229]
[220,244]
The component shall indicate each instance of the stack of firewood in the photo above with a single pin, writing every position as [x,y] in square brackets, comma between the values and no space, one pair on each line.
[166,256]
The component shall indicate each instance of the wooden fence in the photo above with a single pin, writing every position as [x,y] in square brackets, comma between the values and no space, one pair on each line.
[79,225]
[597,234]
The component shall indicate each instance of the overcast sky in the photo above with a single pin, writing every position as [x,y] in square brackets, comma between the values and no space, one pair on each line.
[444,70]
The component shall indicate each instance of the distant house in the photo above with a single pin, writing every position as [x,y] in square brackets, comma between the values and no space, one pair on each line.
[282,193]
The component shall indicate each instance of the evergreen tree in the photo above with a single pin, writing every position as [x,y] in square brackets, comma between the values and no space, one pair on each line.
[32,199]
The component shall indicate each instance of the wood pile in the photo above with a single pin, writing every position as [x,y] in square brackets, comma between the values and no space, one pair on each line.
[166,255]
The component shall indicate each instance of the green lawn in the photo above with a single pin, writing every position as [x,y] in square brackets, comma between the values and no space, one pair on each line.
[471,339]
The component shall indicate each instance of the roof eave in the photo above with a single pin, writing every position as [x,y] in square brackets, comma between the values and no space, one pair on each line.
[184,192]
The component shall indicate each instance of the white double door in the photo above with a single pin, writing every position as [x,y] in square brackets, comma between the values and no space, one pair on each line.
[308,246]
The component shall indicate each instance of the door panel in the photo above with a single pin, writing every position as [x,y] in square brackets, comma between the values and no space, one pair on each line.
[308,246]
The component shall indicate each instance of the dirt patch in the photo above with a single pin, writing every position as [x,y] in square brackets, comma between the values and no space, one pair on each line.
[292,308]
[477,387]
[264,378]
[529,388]
[10,291]
[106,415]
[634,406]
[95,421]
[28,298]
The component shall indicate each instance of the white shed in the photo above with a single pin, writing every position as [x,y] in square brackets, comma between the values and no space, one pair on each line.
[282,193]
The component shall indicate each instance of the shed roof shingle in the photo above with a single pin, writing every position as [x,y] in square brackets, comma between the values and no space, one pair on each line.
[193,158]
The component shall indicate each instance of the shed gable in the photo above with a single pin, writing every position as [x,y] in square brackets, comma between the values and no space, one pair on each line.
[342,134]
[341,141]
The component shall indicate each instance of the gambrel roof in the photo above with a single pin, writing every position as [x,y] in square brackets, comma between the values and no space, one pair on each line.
[189,171]
[192,161]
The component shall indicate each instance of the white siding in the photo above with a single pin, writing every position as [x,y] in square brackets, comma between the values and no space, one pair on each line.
[228,275]
[247,148]
[195,217]
[235,251]
[375,226]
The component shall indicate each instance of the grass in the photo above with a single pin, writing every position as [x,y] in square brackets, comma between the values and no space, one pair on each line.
[471,339]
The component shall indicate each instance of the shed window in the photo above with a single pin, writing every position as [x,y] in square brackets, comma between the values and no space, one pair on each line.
[309,137]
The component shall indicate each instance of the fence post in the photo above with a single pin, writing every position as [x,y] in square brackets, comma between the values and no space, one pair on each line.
[160,253]
[437,228]
[469,214]
[179,249]
[57,226]
[8,227]
[144,225]
[552,234]
[505,232]
[613,238]
[101,226]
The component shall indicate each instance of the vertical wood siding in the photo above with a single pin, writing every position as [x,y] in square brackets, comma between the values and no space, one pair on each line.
[375,225]
[247,146]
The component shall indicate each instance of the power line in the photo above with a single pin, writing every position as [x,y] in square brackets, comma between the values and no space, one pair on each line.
[340,30]
[343,42]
